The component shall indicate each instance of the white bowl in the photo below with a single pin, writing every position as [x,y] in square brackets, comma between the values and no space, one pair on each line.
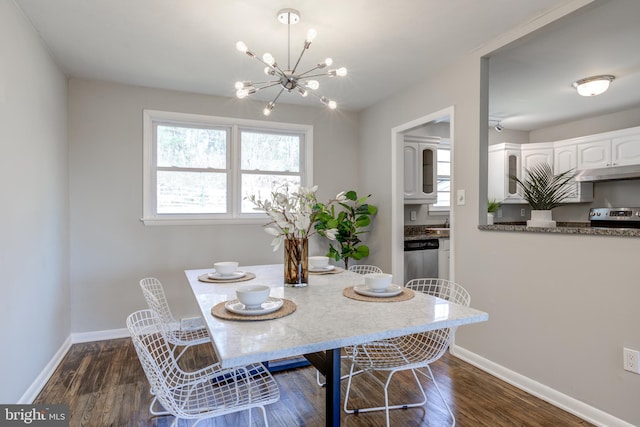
[252,296]
[225,268]
[377,282]
[318,261]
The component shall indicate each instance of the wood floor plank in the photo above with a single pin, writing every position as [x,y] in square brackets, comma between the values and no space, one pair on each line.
[105,385]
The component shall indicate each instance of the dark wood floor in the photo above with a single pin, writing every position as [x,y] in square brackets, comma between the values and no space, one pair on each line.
[104,385]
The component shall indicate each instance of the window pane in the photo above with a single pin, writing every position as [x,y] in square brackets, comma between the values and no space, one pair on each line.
[191,147]
[191,192]
[444,155]
[444,168]
[270,152]
[261,186]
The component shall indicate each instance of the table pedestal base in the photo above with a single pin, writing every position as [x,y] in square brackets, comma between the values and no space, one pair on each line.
[328,363]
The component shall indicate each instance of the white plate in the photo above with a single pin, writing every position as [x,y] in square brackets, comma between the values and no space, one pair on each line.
[321,269]
[269,306]
[234,275]
[391,291]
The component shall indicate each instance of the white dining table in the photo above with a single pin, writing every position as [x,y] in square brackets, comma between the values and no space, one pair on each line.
[324,321]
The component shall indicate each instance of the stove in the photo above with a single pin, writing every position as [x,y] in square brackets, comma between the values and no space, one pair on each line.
[615,217]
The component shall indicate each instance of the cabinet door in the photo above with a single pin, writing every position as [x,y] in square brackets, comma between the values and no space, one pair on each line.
[595,154]
[532,157]
[566,158]
[625,150]
[411,170]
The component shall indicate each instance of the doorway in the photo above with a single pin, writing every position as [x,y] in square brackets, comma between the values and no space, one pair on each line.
[439,120]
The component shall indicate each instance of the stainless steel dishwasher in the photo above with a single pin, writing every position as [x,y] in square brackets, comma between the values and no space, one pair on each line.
[420,259]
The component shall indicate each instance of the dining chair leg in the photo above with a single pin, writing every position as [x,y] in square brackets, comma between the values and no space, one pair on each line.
[435,383]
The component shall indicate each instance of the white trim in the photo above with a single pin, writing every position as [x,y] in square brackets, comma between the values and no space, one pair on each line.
[41,380]
[109,334]
[574,406]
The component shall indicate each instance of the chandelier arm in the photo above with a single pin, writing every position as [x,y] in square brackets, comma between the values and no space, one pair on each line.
[313,75]
[310,70]
[271,84]
[277,96]
[306,46]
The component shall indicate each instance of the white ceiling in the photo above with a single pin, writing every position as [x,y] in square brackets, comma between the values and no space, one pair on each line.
[387,45]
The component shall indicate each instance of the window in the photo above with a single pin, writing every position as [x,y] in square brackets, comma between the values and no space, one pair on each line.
[200,169]
[444,179]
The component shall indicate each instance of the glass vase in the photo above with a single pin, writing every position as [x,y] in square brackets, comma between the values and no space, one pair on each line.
[296,262]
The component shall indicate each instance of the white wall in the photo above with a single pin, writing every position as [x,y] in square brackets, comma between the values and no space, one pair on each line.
[34,253]
[111,250]
[561,307]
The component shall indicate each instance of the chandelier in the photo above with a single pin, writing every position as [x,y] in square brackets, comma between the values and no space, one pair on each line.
[289,79]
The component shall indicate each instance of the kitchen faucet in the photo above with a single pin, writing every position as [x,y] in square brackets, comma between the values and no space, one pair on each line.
[446,223]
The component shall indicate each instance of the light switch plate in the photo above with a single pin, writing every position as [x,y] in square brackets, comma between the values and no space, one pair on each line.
[461,197]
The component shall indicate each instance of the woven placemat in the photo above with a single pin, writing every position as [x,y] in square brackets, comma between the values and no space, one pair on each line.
[287,308]
[333,271]
[405,295]
[206,278]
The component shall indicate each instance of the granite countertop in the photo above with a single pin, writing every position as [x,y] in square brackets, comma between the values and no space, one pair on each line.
[563,228]
[420,232]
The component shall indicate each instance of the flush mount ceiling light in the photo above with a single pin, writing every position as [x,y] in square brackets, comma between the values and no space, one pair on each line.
[592,86]
[289,78]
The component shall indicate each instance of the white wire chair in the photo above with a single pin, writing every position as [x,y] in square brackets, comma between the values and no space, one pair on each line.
[365,269]
[413,352]
[157,301]
[360,269]
[203,394]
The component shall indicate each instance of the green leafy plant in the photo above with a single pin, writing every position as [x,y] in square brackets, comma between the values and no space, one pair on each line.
[493,205]
[345,225]
[544,190]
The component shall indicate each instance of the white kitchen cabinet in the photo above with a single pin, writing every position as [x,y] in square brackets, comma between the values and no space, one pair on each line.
[618,148]
[535,154]
[565,157]
[504,161]
[420,169]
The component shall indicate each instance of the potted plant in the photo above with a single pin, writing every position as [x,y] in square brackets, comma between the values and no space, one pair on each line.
[544,190]
[345,225]
[492,207]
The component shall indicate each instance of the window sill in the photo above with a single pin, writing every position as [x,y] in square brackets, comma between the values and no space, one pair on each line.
[201,221]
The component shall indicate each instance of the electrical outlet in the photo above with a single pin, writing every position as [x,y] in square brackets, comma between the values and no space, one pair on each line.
[523,212]
[413,215]
[500,213]
[630,362]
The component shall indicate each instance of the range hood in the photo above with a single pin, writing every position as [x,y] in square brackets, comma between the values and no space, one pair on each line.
[612,173]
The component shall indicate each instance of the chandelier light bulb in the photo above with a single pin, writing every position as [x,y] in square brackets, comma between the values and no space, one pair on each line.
[311,35]
[239,85]
[268,58]
[242,93]
[341,72]
[303,92]
[267,110]
[242,47]
[313,84]
[326,63]
[332,105]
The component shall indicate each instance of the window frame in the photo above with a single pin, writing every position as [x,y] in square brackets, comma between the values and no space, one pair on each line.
[444,145]
[234,173]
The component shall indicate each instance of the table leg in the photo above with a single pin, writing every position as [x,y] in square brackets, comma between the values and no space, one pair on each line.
[332,404]
[328,363]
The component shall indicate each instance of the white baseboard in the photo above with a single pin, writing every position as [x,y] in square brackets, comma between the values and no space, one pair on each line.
[41,380]
[580,409]
[109,334]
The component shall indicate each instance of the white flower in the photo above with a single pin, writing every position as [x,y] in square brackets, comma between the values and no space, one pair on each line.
[331,233]
[291,213]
